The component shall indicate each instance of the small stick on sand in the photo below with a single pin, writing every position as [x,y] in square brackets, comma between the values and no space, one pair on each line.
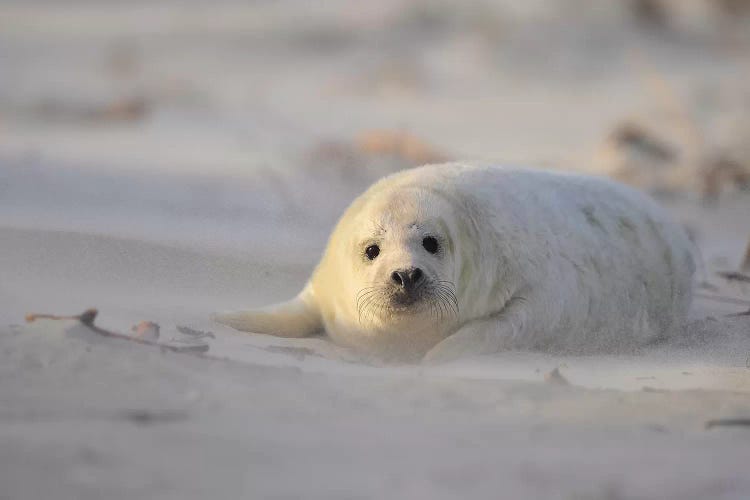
[728,422]
[87,319]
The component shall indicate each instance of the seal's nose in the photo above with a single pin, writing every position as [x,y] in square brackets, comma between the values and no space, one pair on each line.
[407,278]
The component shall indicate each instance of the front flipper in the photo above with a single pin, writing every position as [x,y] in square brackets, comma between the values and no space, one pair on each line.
[296,318]
[482,336]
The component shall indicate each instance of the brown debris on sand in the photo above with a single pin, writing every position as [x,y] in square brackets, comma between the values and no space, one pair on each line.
[641,156]
[670,147]
[371,155]
[146,330]
[720,172]
[115,110]
[400,144]
[87,319]
[633,135]
[646,157]
[742,277]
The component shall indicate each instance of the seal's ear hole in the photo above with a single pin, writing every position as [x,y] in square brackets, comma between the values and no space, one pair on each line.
[372,251]
[430,244]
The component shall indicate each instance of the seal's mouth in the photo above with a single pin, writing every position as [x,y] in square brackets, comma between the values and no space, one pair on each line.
[405,299]
[437,298]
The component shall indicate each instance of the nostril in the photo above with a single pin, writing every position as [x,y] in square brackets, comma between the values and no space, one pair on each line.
[396,277]
[416,275]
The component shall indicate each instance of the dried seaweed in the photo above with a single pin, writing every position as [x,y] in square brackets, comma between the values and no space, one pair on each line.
[87,319]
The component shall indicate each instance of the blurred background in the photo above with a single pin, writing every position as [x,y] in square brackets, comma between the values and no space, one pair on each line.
[212,124]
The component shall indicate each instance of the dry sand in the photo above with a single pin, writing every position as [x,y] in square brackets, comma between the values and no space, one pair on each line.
[86,417]
[160,162]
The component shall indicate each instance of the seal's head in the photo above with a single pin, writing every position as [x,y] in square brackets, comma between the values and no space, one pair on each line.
[403,258]
[391,278]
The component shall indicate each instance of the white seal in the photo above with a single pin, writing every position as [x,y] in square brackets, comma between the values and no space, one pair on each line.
[448,260]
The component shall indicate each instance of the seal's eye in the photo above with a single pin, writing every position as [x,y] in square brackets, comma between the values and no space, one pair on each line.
[430,244]
[372,251]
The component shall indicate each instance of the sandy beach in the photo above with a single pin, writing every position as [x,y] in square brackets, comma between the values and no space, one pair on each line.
[160,161]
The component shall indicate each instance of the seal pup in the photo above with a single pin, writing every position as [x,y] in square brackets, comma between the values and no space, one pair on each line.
[457,259]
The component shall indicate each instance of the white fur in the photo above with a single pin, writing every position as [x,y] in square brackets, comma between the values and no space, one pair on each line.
[538,260]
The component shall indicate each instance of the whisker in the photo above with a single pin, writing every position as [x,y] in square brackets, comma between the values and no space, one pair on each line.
[441,303]
[448,298]
[376,308]
[381,307]
[365,296]
[453,305]
[365,290]
[364,307]
[451,297]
